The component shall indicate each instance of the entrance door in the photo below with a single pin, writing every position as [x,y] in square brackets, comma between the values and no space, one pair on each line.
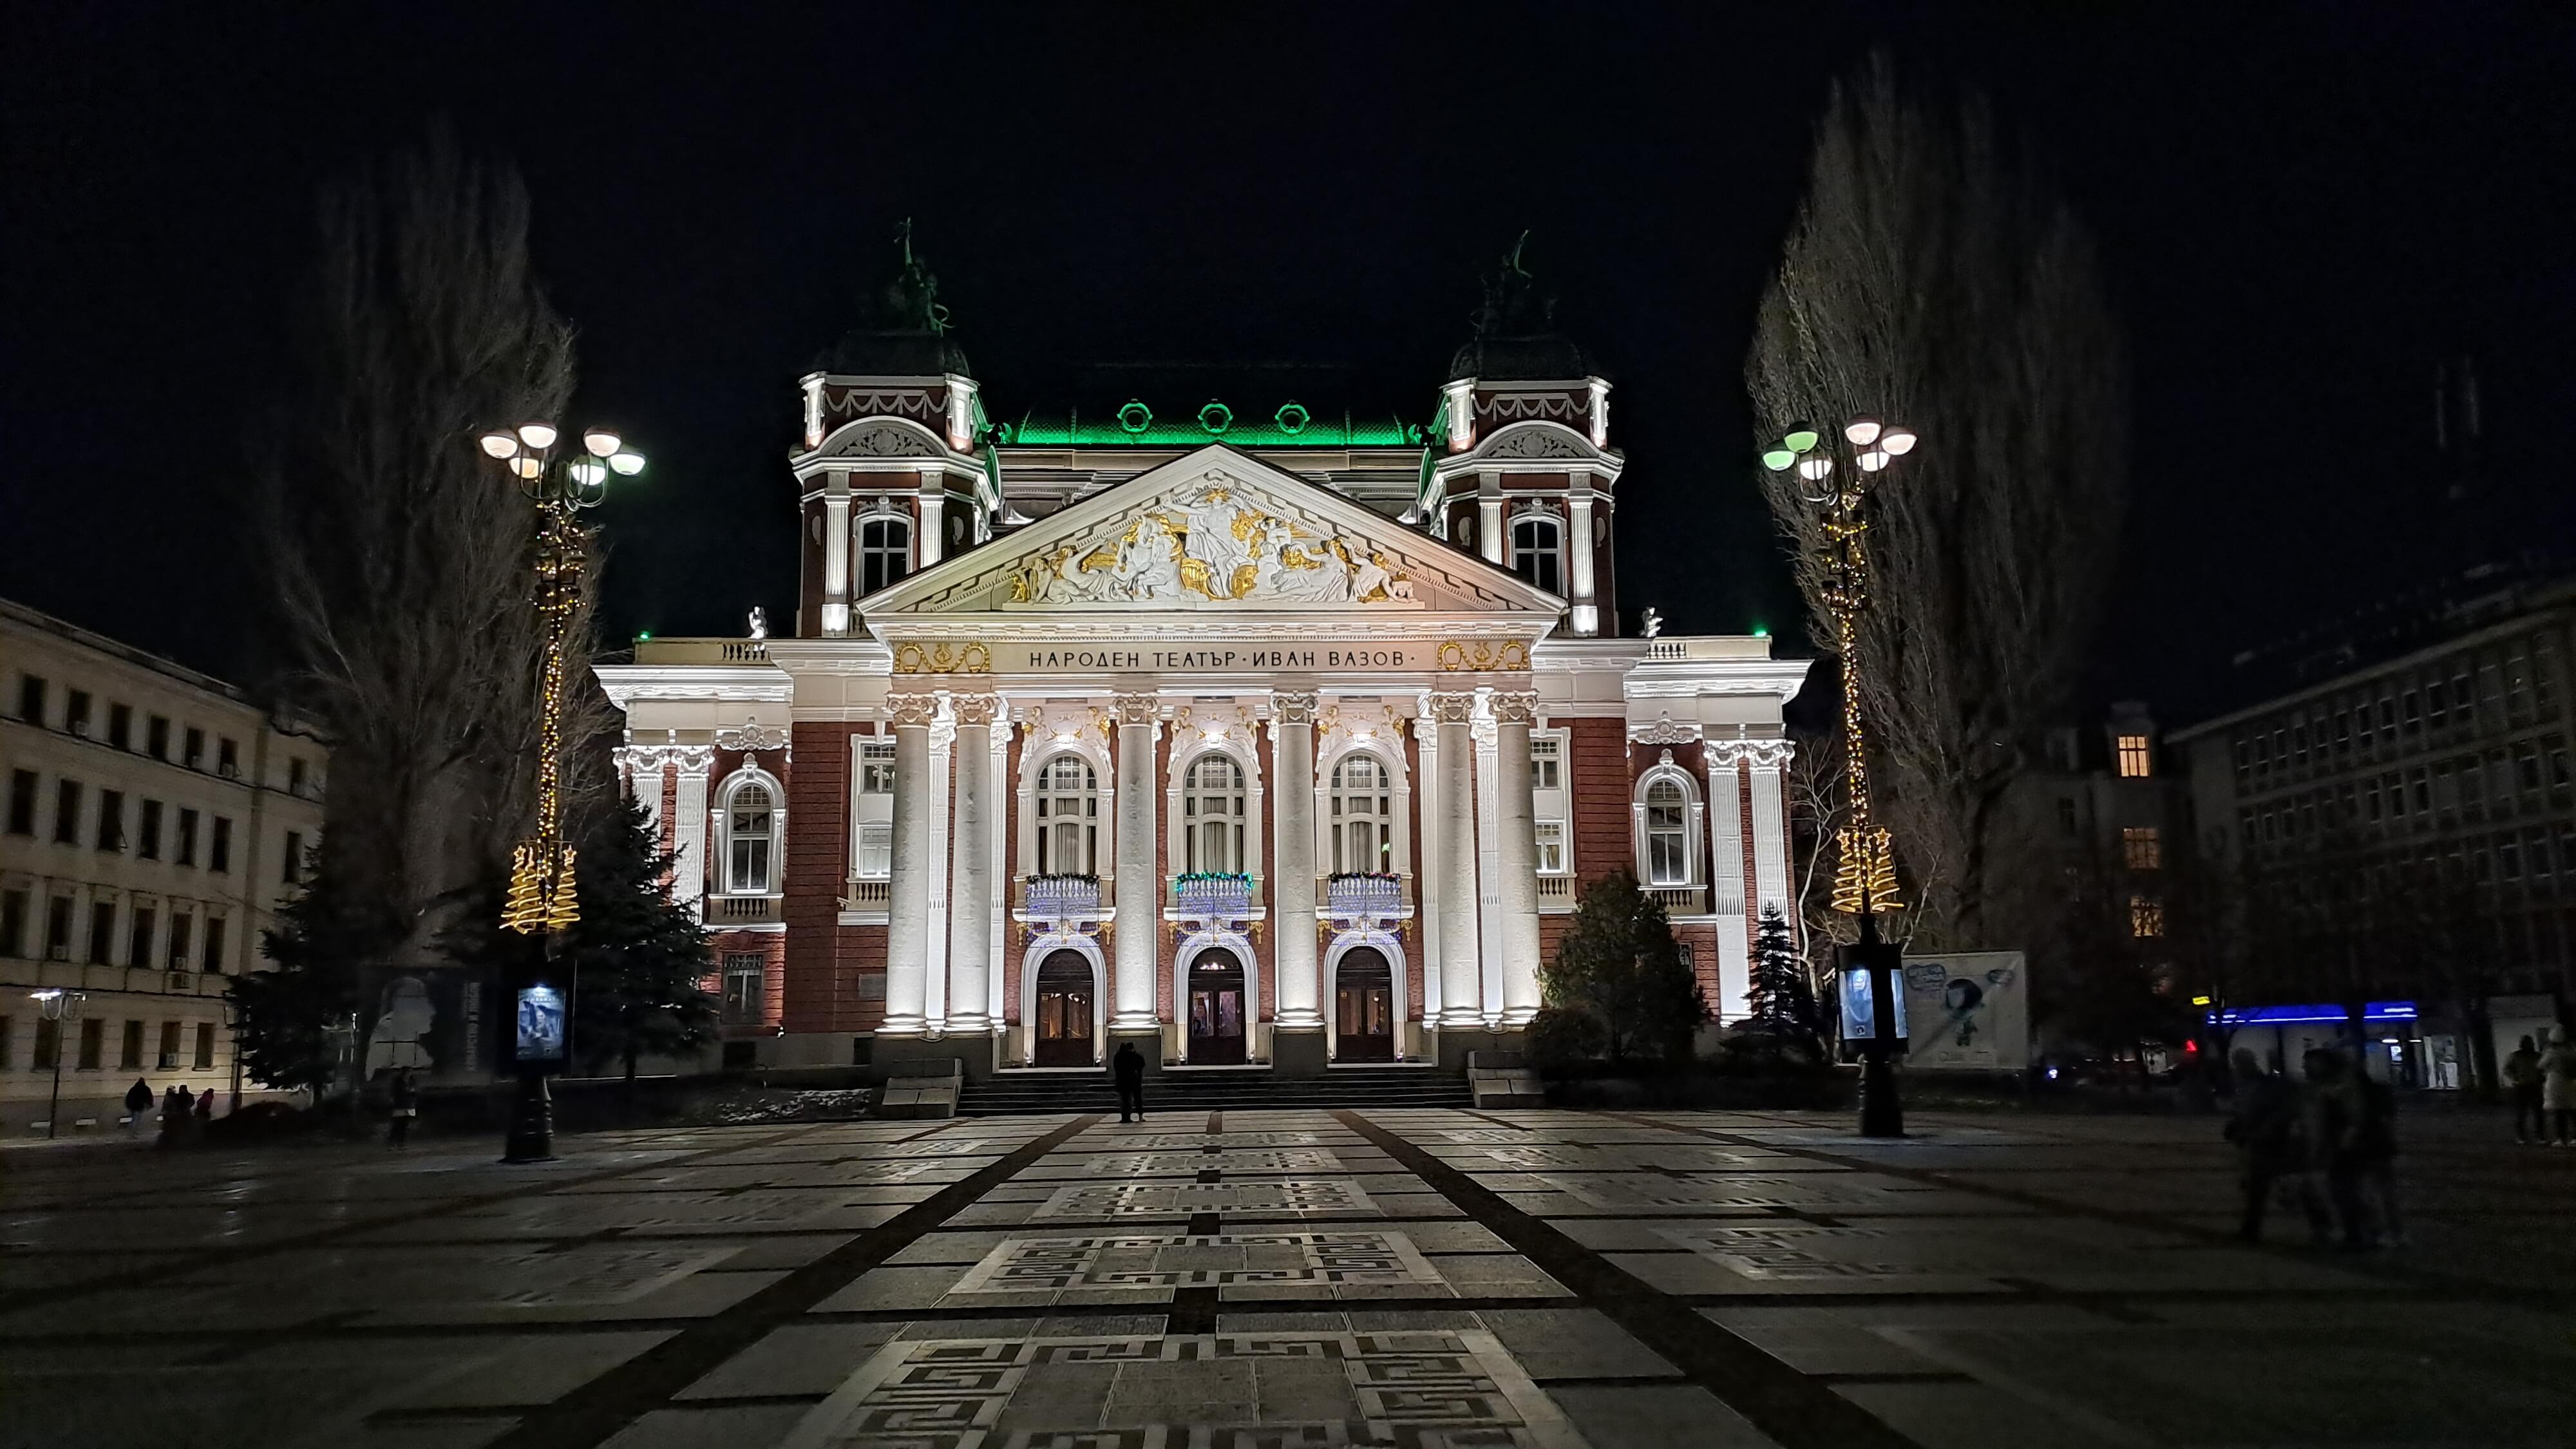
[1216,1007]
[1363,1007]
[1064,1011]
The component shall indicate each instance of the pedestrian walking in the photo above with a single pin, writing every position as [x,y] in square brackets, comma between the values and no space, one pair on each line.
[2522,1079]
[2333,1124]
[138,1100]
[2558,1086]
[205,1112]
[406,1098]
[1128,1069]
[2266,1128]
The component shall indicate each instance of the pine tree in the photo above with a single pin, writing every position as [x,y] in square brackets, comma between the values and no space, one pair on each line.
[1783,999]
[1619,967]
[639,959]
[290,1020]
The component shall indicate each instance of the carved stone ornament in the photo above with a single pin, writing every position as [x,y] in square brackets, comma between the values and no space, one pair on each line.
[851,402]
[1135,709]
[912,711]
[751,739]
[1511,407]
[1514,708]
[1769,754]
[1462,656]
[1211,543]
[885,441]
[943,657]
[1536,443]
[1452,708]
[1664,731]
[1294,709]
[977,709]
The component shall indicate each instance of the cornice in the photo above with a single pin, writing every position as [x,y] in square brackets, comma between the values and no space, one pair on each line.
[749,683]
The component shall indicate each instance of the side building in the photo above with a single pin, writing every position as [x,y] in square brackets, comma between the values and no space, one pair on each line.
[2397,819]
[156,818]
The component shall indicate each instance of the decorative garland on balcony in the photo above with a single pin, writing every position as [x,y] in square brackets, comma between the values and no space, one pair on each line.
[1390,877]
[1236,877]
[1064,877]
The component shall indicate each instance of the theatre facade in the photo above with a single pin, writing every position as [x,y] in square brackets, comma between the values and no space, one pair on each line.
[1287,738]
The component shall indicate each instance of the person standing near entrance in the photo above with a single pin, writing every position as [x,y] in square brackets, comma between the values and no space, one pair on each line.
[1128,1069]
[2558,1086]
[2522,1078]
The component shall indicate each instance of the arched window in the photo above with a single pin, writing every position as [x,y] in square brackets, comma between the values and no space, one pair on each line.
[1212,808]
[1068,817]
[1538,551]
[1363,815]
[885,551]
[751,839]
[1667,833]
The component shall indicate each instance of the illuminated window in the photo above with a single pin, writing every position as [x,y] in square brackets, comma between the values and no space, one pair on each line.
[885,552]
[751,840]
[1213,806]
[2146,917]
[872,812]
[2141,846]
[1068,816]
[1546,752]
[1363,815]
[1667,834]
[744,974]
[1537,551]
[2133,757]
[1551,846]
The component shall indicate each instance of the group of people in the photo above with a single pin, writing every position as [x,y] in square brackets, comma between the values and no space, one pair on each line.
[182,1111]
[2544,1089]
[2328,1139]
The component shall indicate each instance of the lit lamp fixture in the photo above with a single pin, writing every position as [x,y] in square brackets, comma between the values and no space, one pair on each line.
[62,1008]
[541,900]
[1837,476]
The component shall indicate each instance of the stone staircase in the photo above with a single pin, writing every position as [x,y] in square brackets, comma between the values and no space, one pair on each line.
[1358,1088]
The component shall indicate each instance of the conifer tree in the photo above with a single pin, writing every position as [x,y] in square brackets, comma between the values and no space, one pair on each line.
[1782,999]
[1619,967]
[640,960]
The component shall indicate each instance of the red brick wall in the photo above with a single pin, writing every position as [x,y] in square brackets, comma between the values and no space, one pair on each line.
[820,989]
[1600,777]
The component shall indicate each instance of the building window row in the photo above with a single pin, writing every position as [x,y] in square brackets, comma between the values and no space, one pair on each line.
[162,738]
[178,1045]
[2486,690]
[160,832]
[190,937]
[2504,780]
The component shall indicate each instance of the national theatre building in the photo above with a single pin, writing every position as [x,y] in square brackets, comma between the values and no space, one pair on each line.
[1259,736]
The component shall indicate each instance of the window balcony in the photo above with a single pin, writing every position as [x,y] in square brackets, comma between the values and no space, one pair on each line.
[1061,900]
[1351,897]
[1555,889]
[1212,897]
[1679,900]
[728,911]
[869,893]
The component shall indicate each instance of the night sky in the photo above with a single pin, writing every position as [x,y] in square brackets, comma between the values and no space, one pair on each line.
[2302,212]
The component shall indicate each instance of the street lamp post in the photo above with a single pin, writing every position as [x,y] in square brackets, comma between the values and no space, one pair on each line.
[561,483]
[62,1008]
[1865,871]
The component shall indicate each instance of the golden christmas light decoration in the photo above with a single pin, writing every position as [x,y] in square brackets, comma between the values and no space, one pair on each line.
[542,895]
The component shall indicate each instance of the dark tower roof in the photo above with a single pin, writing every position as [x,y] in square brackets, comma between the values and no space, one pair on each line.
[903,331]
[1516,336]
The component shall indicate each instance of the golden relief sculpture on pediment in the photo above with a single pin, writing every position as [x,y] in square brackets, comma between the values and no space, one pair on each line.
[1211,544]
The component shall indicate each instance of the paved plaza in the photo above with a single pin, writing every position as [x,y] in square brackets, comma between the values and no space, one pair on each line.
[1282,1279]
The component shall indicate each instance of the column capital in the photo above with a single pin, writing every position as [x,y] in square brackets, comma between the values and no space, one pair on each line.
[1294,708]
[1514,707]
[912,711]
[1451,706]
[1135,709]
[1767,754]
[976,709]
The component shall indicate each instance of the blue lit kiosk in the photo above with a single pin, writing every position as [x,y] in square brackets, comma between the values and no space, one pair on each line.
[2399,1044]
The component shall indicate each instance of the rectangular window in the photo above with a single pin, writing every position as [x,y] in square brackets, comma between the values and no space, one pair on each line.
[1551,846]
[182,930]
[67,812]
[2146,917]
[14,906]
[168,1059]
[214,957]
[49,1044]
[2134,763]
[129,1047]
[22,802]
[7,1026]
[194,749]
[876,851]
[219,850]
[876,767]
[102,932]
[138,954]
[58,929]
[156,737]
[205,1046]
[120,726]
[291,868]
[2141,847]
[148,835]
[227,759]
[1546,762]
[111,820]
[76,711]
[93,1039]
[31,699]
[744,973]
[294,776]
[187,837]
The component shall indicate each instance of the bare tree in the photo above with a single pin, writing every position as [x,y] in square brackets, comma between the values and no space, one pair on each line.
[1932,280]
[399,559]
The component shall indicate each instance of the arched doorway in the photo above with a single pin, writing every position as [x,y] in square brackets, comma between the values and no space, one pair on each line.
[1363,1007]
[1063,1025]
[1216,1007]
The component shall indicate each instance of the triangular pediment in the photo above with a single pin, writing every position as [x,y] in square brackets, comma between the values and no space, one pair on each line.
[1215,530]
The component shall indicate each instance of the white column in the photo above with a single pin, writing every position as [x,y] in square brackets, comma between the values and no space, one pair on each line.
[1461,994]
[689,843]
[1489,872]
[1139,887]
[908,914]
[935,804]
[1517,830]
[1426,858]
[932,537]
[970,915]
[1726,878]
[1586,610]
[997,926]
[1489,516]
[646,768]
[836,554]
[1292,877]
[1770,825]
